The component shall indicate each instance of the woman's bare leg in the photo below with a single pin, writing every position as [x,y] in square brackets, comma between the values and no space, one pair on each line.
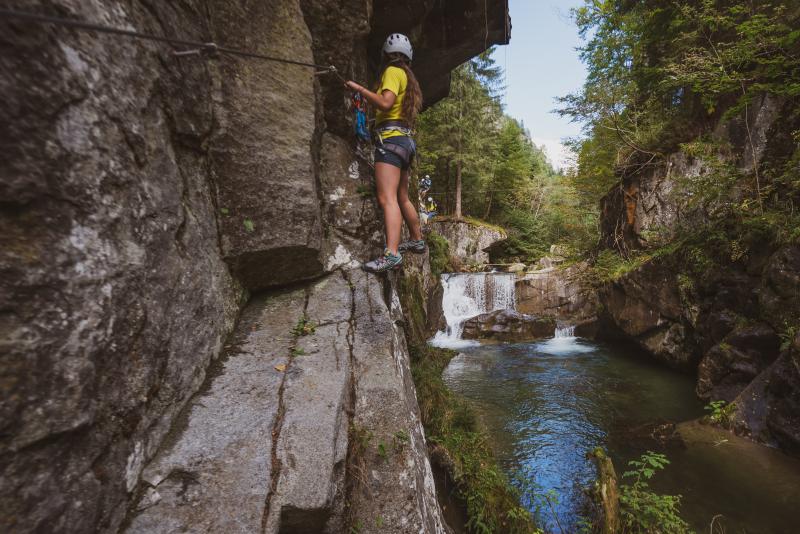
[387,180]
[407,208]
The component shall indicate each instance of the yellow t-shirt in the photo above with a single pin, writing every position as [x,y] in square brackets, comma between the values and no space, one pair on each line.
[394,79]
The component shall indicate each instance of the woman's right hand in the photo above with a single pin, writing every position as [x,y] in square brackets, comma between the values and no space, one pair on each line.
[353,86]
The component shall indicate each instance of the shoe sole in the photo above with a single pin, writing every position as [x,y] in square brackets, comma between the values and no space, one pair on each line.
[392,268]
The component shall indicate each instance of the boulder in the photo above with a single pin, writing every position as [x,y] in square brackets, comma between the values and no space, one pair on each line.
[645,306]
[549,262]
[779,294]
[556,292]
[783,416]
[515,268]
[508,325]
[468,240]
[729,366]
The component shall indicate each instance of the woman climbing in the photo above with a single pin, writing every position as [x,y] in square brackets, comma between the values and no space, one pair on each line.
[398,101]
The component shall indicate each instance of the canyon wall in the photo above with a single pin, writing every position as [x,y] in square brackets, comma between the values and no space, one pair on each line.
[147,199]
[723,303]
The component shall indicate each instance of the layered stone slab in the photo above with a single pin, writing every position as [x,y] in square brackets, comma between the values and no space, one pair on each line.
[214,472]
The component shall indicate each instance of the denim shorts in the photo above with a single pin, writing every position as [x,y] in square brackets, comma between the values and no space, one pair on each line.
[385,156]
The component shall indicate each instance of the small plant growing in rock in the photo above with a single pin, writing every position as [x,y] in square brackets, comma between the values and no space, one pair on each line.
[383,452]
[296,351]
[787,336]
[720,412]
[399,440]
[248,225]
[304,327]
[364,191]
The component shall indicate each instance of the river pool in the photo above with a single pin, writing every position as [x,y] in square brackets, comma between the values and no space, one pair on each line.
[546,404]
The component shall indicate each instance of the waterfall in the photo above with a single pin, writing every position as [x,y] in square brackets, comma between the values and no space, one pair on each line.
[565,331]
[469,294]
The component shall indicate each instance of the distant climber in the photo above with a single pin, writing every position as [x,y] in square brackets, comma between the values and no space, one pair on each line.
[431,208]
[398,101]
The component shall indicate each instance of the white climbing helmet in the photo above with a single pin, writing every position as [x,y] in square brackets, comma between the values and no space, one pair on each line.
[397,42]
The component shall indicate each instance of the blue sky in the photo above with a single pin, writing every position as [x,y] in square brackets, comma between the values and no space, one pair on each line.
[541,63]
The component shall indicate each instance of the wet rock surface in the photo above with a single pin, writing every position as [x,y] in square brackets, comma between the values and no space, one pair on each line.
[508,325]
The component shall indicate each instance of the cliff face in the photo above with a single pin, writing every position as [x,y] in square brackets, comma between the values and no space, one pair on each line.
[145,197]
[650,205]
[725,307]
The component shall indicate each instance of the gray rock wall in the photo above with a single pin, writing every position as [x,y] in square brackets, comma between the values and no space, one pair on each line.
[115,297]
[264,148]
[142,197]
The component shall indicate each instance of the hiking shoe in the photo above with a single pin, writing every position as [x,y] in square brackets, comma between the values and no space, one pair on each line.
[417,246]
[384,263]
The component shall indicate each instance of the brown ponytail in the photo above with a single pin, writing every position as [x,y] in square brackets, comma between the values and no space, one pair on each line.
[412,101]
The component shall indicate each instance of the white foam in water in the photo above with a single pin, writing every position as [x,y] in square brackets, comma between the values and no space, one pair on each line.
[467,295]
[564,342]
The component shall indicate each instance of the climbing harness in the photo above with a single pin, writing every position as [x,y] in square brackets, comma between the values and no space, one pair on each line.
[195,47]
[360,107]
[394,125]
[405,154]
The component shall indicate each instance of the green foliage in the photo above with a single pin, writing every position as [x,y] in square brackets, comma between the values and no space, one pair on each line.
[304,327]
[365,191]
[383,451]
[506,180]
[248,225]
[296,351]
[660,77]
[438,254]
[720,412]
[788,336]
[493,504]
[641,510]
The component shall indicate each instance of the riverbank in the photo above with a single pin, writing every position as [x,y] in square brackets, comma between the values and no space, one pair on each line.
[460,448]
